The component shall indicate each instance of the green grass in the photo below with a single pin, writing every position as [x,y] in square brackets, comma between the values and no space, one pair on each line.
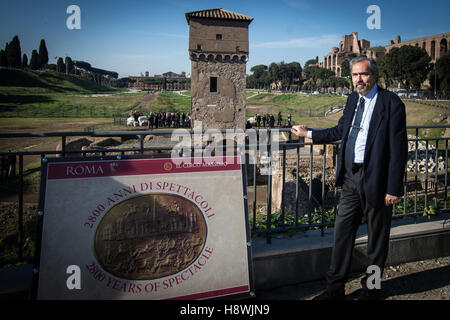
[9,248]
[298,104]
[308,110]
[52,94]
[67,105]
[46,82]
[297,100]
[420,114]
[259,97]
[40,95]
[168,101]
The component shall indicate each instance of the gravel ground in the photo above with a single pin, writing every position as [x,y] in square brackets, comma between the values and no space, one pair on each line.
[419,280]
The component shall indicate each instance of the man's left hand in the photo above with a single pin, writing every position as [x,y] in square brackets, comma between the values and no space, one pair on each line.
[390,200]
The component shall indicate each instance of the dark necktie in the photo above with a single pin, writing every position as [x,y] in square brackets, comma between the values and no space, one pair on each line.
[351,140]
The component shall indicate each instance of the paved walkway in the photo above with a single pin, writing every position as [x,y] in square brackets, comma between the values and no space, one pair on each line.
[420,280]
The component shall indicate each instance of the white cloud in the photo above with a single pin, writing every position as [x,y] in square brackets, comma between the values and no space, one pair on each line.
[331,40]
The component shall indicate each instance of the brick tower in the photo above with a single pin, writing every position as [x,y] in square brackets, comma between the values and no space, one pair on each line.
[218,50]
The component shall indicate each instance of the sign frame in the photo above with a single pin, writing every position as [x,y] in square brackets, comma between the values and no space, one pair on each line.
[214,294]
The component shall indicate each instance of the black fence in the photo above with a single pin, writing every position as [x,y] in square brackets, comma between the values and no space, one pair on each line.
[290,182]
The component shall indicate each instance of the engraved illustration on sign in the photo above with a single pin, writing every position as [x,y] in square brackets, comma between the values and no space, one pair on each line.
[150,236]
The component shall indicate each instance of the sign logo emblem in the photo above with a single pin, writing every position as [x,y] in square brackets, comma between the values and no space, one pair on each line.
[150,236]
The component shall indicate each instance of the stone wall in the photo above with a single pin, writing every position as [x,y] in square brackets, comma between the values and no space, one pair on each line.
[436,46]
[203,35]
[224,109]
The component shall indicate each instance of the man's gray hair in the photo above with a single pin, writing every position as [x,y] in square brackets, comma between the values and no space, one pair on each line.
[372,64]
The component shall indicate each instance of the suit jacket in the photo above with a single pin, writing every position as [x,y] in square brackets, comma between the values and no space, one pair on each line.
[386,149]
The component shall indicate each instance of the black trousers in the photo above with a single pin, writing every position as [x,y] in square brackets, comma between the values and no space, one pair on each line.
[352,207]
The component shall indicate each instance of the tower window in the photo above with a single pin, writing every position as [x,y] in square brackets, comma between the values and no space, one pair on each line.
[218,37]
[213,84]
[199,47]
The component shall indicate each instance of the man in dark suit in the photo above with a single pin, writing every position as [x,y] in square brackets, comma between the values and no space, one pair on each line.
[370,169]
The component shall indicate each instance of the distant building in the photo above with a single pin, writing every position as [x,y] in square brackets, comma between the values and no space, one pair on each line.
[171,75]
[436,46]
[166,81]
[349,48]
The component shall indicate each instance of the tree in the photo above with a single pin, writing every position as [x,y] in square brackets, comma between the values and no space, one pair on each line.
[345,68]
[7,53]
[310,74]
[100,76]
[13,53]
[310,62]
[82,64]
[60,66]
[442,73]
[259,77]
[69,65]
[43,55]
[34,62]
[3,60]
[384,71]
[258,70]
[408,64]
[274,72]
[290,73]
[24,61]
[287,74]
[318,77]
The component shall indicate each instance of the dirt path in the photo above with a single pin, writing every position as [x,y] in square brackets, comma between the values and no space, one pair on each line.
[145,102]
[27,160]
[420,280]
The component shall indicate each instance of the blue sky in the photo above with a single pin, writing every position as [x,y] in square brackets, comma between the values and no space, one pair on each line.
[135,36]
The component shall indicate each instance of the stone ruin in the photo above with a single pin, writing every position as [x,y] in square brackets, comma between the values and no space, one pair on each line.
[218,49]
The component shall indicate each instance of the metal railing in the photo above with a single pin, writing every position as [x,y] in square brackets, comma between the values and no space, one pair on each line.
[299,196]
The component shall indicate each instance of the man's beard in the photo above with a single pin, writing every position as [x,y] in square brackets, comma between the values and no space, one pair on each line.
[362,89]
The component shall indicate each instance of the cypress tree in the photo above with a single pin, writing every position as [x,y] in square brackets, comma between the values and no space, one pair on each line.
[7,49]
[3,60]
[69,65]
[24,61]
[34,63]
[60,67]
[43,54]
[14,54]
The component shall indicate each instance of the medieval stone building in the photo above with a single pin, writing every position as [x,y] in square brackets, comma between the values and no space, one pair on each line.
[218,50]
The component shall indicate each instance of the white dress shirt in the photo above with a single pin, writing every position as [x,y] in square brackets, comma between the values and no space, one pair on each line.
[360,145]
